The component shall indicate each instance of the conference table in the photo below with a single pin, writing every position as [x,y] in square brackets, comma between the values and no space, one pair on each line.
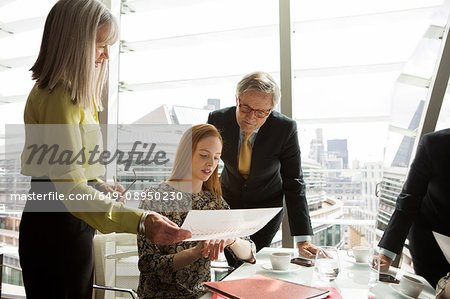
[346,283]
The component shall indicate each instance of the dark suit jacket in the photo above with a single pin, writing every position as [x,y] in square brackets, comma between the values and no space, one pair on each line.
[275,168]
[425,197]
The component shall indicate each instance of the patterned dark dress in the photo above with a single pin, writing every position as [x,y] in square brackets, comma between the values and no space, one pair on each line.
[157,279]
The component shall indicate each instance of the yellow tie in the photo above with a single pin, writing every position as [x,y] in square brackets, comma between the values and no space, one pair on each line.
[245,156]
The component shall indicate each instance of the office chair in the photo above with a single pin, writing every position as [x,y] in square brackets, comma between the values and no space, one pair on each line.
[116,270]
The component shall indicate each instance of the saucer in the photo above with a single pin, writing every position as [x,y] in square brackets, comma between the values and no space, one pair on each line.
[292,267]
[356,263]
[359,263]
[396,288]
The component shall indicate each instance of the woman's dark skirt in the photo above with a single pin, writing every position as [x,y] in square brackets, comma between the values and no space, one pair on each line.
[55,249]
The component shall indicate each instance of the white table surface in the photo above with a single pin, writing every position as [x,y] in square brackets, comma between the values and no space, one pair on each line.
[346,285]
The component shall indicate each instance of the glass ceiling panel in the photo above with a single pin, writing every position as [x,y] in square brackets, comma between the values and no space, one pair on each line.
[21,78]
[343,95]
[423,60]
[358,40]
[211,56]
[156,19]
[22,44]
[328,9]
[25,9]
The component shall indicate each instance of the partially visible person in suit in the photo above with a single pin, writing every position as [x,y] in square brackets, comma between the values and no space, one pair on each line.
[261,156]
[423,206]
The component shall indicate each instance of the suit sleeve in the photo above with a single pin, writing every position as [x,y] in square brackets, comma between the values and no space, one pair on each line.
[210,119]
[409,200]
[294,186]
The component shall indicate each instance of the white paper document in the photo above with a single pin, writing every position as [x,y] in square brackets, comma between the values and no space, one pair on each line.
[444,244]
[223,224]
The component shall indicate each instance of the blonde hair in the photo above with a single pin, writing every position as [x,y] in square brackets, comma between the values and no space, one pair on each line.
[259,81]
[182,165]
[67,53]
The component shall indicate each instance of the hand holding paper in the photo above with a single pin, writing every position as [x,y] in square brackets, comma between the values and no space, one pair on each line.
[212,248]
[226,224]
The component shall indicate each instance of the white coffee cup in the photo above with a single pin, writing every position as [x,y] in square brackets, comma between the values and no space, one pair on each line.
[280,260]
[361,254]
[411,286]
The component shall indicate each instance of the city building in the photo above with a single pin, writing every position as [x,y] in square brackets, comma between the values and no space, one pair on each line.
[338,149]
[317,148]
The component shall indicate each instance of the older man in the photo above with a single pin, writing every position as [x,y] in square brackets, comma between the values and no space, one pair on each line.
[262,160]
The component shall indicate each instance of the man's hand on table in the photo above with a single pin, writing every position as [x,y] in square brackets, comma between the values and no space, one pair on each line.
[306,249]
[385,262]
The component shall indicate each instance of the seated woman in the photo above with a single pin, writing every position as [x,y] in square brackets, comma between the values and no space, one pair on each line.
[178,270]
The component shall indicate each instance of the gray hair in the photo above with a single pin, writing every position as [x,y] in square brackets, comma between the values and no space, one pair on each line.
[67,53]
[259,81]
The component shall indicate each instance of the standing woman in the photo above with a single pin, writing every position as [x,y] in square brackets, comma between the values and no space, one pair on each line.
[55,239]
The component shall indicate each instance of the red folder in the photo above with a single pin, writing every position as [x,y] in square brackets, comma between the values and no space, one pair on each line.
[334,293]
[264,287]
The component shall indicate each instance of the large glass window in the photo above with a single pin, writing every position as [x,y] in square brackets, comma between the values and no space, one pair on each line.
[21,26]
[359,88]
[409,102]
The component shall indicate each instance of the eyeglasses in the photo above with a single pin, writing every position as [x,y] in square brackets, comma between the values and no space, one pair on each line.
[128,188]
[258,113]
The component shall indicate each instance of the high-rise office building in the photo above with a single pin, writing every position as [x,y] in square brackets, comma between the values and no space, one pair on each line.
[394,176]
[338,148]
[317,148]
[404,151]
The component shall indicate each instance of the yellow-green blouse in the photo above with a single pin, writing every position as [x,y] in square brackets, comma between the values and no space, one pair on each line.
[43,111]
